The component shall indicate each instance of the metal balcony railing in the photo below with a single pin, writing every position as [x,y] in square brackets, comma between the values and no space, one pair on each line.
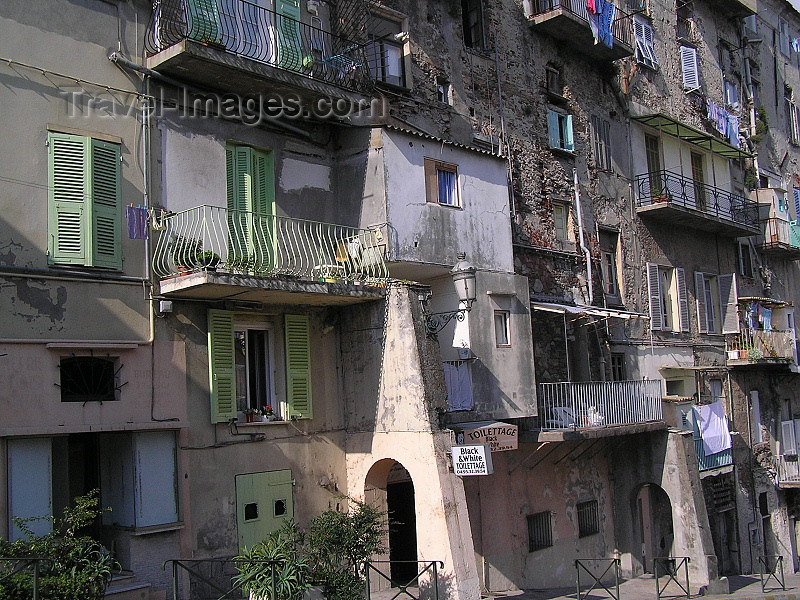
[780,232]
[211,237]
[788,469]
[755,344]
[621,28]
[244,28]
[711,461]
[669,187]
[566,405]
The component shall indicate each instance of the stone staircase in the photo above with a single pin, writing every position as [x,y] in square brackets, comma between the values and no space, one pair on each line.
[124,586]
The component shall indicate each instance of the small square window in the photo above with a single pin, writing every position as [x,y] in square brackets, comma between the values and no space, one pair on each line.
[540,531]
[553,81]
[618,366]
[443,91]
[560,213]
[588,519]
[745,260]
[559,131]
[251,511]
[502,329]
[280,508]
[88,379]
[441,183]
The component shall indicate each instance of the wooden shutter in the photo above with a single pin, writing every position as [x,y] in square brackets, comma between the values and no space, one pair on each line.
[106,230]
[431,181]
[552,129]
[729,301]
[788,441]
[691,74]
[298,367]
[220,365]
[700,296]
[290,48]
[239,191]
[263,240]
[654,292]
[683,300]
[68,183]
[569,144]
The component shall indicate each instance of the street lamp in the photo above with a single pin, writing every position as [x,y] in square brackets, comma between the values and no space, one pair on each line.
[463,274]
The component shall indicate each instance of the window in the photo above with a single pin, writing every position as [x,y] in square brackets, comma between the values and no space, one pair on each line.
[540,531]
[588,518]
[745,259]
[559,130]
[84,207]
[755,88]
[472,20]
[385,55]
[254,367]
[652,150]
[88,379]
[601,142]
[669,307]
[716,303]
[785,40]
[608,265]
[643,33]
[245,357]
[443,91]
[731,91]
[441,183]
[618,367]
[796,196]
[794,122]
[553,81]
[502,328]
[560,214]
[689,68]
[751,24]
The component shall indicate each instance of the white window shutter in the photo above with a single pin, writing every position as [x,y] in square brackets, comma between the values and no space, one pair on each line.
[691,75]
[728,299]
[683,299]
[700,295]
[654,291]
[788,442]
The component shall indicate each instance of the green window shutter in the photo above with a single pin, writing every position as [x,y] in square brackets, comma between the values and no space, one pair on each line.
[68,182]
[290,48]
[106,230]
[552,129]
[239,190]
[263,183]
[569,144]
[220,365]
[298,367]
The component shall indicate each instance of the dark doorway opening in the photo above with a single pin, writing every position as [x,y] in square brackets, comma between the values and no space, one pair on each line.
[402,531]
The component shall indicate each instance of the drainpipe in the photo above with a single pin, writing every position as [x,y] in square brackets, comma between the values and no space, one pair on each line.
[585,249]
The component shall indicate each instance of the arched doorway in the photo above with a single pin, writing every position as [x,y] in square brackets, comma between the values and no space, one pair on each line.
[389,488]
[653,511]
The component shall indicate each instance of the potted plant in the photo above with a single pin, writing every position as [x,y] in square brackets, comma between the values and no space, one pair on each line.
[273,568]
[208,260]
[250,414]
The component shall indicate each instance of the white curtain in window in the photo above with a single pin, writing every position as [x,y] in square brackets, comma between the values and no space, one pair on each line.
[447,187]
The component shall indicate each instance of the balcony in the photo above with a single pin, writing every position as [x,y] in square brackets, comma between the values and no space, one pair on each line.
[788,471]
[237,45]
[759,347]
[668,196]
[780,238]
[601,406]
[707,462]
[212,253]
[568,20]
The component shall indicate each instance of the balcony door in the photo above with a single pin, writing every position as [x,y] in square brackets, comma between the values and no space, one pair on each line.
[698,178]
[653,154]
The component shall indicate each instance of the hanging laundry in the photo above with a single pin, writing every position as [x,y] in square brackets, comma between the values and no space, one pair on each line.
[590,7]
[713,425]
[137,222]
[796,44]
[752,315]
[767,317]
[733,130]
[594,20]
[602,21]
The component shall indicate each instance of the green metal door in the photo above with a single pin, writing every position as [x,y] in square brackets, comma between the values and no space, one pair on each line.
[263,503]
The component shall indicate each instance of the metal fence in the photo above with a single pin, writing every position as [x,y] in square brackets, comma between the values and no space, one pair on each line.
[788,468]
[28,566]
[247,29]
[771,568]
[211,237]
[568,405]
[424,584]
[780,231]
[670,567]
[598,576]
[669,187]
[621,28]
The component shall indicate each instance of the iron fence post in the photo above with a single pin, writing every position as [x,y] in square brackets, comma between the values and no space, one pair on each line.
[174,581]
[783,581]
[655,574]
[616,576]
[435,582]
[366,576]
[35,579]
[578,578]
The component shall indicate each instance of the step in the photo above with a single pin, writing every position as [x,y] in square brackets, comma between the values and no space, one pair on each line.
[128,591]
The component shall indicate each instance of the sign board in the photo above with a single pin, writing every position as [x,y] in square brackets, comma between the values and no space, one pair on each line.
[499,436]
[472,460]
